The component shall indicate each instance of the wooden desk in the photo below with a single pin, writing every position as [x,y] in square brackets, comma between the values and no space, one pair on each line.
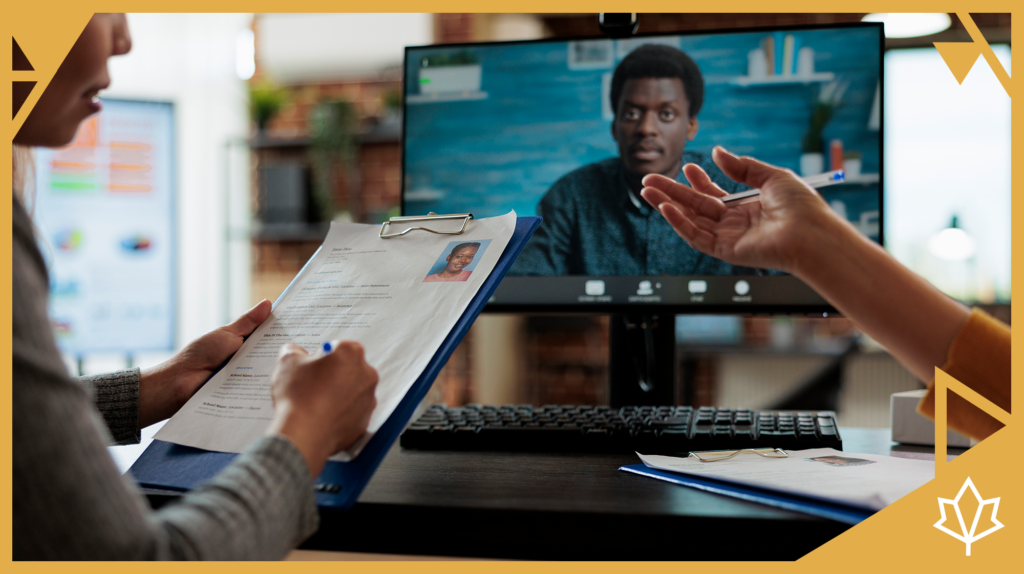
[566,507]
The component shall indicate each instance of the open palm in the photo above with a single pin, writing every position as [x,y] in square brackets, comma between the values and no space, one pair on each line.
[762,232]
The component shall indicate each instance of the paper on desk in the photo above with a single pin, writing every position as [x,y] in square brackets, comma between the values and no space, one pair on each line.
[358,287]
[866,480]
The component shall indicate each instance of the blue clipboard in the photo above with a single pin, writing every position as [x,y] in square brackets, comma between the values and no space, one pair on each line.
[847,514]
[169,466]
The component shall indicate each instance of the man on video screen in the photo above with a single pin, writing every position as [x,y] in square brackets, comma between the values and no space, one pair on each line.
[595,222]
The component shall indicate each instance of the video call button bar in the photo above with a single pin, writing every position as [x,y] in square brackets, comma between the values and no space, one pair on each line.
[733,290]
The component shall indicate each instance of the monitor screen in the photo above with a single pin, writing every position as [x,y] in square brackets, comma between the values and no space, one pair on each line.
[566,128]
[105,217]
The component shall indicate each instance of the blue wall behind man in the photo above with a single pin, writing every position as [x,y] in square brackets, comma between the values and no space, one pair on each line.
[540,119]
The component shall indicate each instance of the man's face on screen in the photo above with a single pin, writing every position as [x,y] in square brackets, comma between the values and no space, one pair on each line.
[653,125]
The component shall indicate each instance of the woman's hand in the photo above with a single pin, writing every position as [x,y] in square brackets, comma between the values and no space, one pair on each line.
[793,229]
[322,403]
[165,388]
[770,233]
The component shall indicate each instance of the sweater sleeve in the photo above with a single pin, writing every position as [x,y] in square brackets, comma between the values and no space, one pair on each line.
[979,358]
[550,250]
[69,501]
[116,396]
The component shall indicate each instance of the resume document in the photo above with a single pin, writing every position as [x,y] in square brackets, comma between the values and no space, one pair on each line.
[866,480]
[398,297]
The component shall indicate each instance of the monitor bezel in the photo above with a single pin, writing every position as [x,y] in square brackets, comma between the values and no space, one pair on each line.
[813,309]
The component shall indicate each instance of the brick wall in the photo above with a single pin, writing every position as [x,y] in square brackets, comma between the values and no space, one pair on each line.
[381,167]
[367,95]
[454,28]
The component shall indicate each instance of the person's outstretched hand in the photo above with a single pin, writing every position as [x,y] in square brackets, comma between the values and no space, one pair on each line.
[165,388]
[767,234]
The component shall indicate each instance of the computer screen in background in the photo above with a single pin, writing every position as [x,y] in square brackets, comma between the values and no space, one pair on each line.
[529,126]
[105,213]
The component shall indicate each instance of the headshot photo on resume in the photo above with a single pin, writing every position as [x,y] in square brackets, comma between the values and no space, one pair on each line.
[455,264]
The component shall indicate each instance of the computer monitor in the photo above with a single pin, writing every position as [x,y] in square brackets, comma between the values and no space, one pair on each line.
[105,209]
[565,129]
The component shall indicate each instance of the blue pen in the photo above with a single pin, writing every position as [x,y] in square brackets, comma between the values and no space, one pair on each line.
[815,181]
[326,348]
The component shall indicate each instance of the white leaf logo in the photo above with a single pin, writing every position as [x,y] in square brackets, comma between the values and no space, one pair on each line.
[968,536]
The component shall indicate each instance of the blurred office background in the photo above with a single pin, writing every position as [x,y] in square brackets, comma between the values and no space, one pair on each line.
[284,122]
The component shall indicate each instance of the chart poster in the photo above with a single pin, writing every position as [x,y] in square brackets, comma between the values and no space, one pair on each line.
[105,216]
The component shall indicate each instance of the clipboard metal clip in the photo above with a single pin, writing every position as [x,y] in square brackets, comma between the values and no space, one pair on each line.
[465,217]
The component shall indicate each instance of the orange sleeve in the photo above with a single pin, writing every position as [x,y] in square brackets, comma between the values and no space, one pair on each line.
[979,358]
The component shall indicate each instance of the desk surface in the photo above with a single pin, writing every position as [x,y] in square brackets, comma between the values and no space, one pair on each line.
[566,507]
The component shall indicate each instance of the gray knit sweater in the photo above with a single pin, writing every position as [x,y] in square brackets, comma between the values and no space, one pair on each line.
[69,500]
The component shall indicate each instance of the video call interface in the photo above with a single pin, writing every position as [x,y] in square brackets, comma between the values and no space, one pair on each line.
[566,130]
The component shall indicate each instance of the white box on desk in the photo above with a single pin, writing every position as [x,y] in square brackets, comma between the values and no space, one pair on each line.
[911,427]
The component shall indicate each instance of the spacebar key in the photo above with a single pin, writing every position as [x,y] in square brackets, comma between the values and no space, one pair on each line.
[530,439]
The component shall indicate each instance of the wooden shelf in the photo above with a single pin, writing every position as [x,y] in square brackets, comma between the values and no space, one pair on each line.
[280,232]
[863,179]
[467,96]
[748,82]
[383,132]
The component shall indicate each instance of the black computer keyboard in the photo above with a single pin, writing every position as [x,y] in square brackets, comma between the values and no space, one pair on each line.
[649,430]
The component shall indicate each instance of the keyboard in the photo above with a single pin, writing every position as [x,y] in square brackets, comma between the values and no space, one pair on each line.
[601,429]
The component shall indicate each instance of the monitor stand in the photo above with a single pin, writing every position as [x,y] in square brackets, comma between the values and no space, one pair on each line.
[642,360]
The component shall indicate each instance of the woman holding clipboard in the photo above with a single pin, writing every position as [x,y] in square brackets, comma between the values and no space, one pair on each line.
[69,500]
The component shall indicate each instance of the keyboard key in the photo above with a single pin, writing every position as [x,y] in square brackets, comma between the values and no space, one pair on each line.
[662,426]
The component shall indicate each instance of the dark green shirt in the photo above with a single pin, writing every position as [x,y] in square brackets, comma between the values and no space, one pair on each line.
[594,225]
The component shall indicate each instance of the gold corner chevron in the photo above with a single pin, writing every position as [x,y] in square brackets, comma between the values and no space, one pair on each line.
[944,383]
[960,57]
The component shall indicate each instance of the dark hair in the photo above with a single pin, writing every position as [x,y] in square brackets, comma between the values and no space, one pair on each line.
[474,245]
[657,61]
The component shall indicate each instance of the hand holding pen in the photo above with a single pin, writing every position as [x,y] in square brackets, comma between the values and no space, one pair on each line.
[322,401]
[768,231]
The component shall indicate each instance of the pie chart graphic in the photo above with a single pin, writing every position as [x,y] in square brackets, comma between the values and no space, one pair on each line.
[136,243]
[68,240]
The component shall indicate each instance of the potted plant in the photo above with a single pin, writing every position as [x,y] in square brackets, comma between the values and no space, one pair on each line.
[265,100]
[812,160]
[392,115]
[450,73]
[332,131]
